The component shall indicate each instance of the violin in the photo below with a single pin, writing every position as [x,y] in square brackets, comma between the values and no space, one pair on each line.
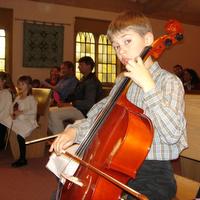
[15,108]
[100,166]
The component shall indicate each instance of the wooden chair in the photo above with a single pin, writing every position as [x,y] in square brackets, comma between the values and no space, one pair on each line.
[186,188]
[190,157]
[43,96]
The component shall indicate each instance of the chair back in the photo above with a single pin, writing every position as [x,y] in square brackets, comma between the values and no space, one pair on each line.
[186,188]
[42,95]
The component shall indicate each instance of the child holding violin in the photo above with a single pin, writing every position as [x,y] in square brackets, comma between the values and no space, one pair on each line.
[22,119]
[159,93]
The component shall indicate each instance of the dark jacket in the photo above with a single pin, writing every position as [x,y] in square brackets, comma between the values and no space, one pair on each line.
[88,92]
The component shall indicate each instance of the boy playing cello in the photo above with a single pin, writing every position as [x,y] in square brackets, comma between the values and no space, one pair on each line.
[159,93]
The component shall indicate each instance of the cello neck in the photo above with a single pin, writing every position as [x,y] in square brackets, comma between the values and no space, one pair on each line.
[122,87]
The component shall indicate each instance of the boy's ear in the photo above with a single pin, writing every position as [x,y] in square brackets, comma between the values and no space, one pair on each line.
[148,38]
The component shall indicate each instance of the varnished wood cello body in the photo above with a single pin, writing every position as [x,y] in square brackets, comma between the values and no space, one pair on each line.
[119,140]
[126,130]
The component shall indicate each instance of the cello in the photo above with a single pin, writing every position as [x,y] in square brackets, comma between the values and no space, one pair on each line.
[120,130]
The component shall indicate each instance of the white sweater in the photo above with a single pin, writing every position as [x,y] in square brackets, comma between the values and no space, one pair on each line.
[26,122]
[5,103]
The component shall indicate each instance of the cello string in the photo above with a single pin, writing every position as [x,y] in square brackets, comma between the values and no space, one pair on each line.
[108,107]
[102,116]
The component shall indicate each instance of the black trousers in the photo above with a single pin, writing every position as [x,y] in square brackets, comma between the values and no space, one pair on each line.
[155,179]
[22,147]
[3,130]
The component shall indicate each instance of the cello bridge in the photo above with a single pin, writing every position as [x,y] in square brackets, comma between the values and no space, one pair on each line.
[73,179]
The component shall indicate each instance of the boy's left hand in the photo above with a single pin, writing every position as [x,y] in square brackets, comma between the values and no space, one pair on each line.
[137,71]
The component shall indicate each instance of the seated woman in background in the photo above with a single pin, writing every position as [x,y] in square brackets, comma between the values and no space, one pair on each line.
[54,76]
[23,116]
[7,92]
[191,80]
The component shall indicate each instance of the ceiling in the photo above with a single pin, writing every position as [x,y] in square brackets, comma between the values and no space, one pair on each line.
[187,11]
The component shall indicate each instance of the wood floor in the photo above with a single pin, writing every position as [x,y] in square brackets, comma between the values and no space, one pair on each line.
[31,182]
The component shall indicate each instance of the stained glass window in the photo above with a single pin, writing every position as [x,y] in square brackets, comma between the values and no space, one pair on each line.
[85,46]
[2,50]
[104,56]
[106,60]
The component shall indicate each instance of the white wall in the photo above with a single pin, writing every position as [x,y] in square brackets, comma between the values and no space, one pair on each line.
[186,53]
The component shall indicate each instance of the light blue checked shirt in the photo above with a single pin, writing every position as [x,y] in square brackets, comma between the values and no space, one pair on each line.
[164,105]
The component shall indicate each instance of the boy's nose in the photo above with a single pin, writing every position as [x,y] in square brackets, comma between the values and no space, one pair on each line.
[122,54]
[122,50]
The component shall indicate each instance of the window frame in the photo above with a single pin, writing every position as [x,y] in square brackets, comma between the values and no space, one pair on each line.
[6,22]
[5,45]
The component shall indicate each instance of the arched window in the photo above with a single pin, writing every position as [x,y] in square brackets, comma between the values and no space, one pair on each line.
[2,49]
[85,46]
[106,60]
[91,40]
[104,56]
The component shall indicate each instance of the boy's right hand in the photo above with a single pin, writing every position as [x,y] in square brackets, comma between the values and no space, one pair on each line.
[63,141]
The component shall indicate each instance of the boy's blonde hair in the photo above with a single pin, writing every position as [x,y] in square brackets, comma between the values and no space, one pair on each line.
[129,20]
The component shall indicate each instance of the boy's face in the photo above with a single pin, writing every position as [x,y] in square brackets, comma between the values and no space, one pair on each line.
[128,44]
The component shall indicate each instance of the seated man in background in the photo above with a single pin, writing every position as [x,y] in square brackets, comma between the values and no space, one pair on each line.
[191,80]
[66,84]
[87,93]
[178,70]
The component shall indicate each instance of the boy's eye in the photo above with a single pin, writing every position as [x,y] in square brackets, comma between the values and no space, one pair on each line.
[116,47]
[127,41]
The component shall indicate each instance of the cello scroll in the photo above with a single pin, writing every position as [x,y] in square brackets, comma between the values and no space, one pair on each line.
[174,34]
